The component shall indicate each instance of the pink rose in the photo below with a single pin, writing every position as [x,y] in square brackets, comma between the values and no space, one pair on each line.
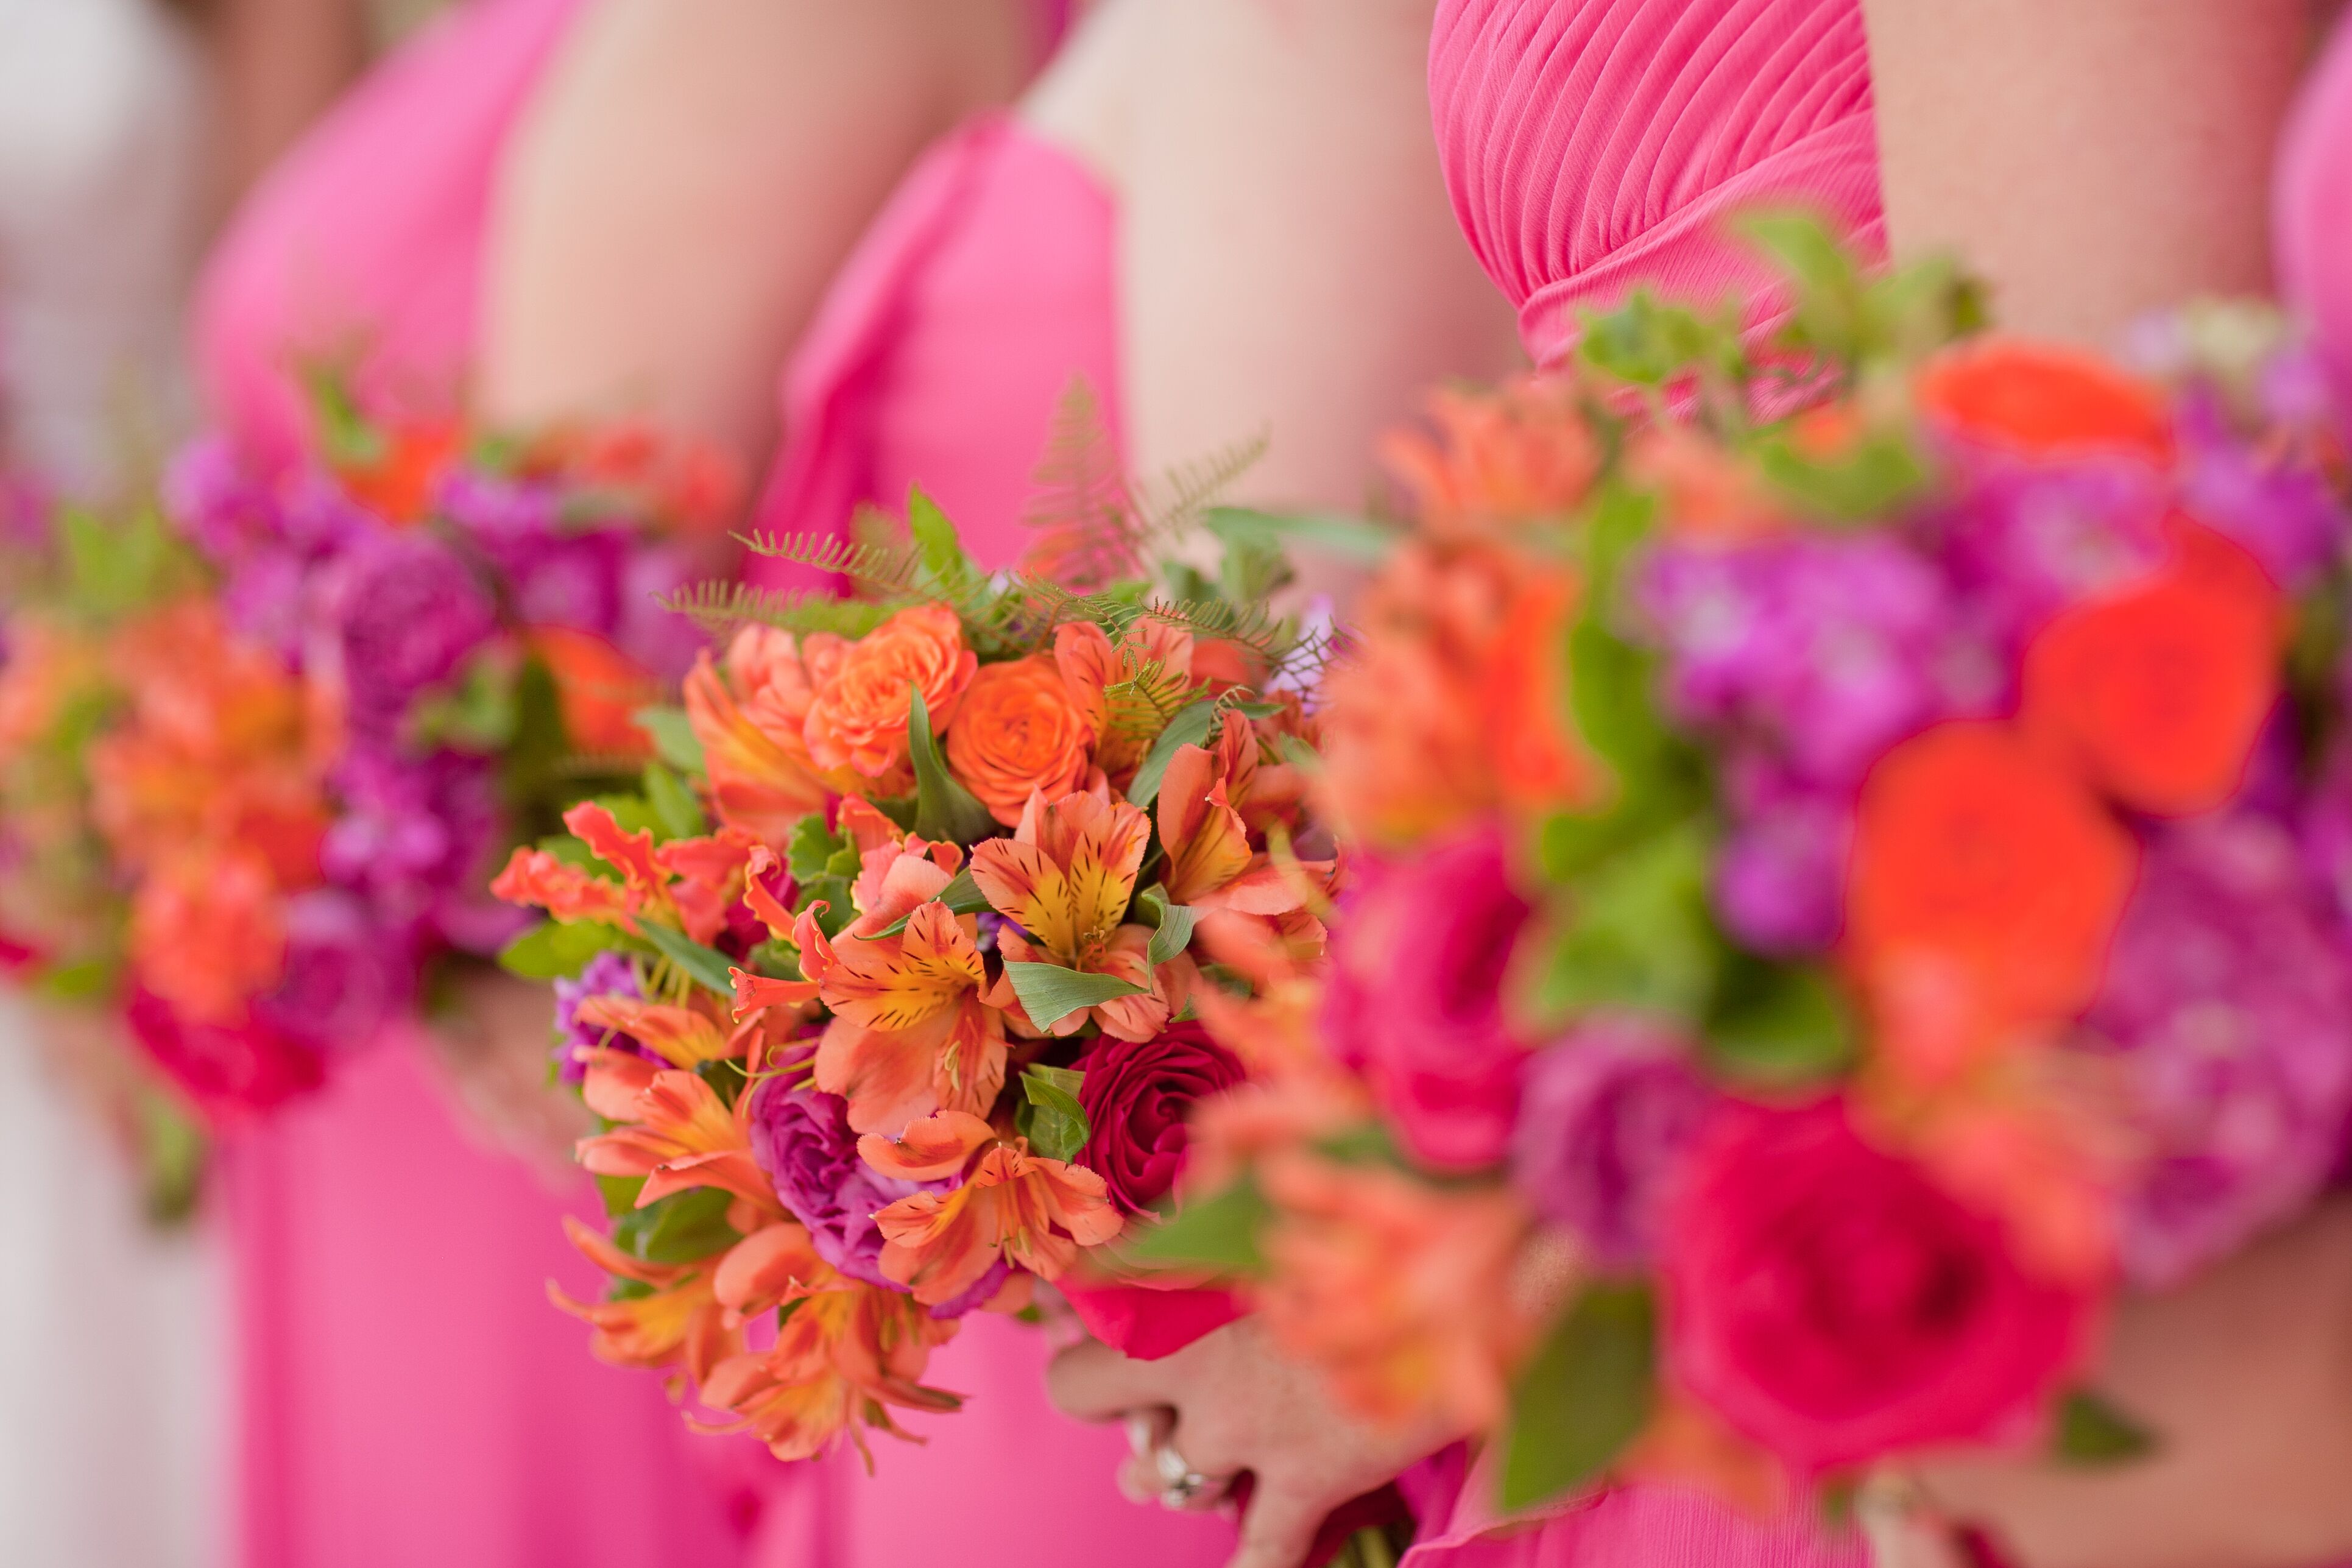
[1835,1306]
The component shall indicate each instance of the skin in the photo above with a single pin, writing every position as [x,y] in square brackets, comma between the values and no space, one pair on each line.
[2095,160]
[1228,1403]
[279,64]
[687,180]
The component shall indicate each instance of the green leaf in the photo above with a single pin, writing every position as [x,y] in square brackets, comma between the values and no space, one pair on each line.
[962,896]
[1052,1120]
[620,1194]
[555,951]
[675,813]
[944,810]
[707,966]
[1173,923]
[1778,1026]
[1585,1396]
[1646,342]
[1217,1233]
[679,1228]
[1351,537]
[945,564]
[1050,993]
[1189,728]
[1865,484]
[674,739]
[1637,933]
[813,850]
[2091,1432]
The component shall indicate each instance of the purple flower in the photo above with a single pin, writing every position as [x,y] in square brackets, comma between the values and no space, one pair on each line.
[2287,514]
[1415,994]
[1780,874]
[346,974]
[2228,1003]
[415,837]
[802,1139]
[1605,1117]
[606,974]
[401,612]
[2024,541]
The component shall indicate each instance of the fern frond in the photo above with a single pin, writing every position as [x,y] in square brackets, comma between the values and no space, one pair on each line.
[1186,491]
[1082,510]
[719,608]
[892,568]
[1138,708]
[1253,627]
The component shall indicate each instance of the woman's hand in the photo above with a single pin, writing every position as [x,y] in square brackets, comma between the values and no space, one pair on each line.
[493,1050]
[1230,1402]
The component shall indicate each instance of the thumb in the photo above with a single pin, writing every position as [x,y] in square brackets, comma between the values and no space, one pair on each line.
[1279,1528]
[1092,1382]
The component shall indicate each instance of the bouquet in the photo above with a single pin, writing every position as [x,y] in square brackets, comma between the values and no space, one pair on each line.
[258,766]
[899,1006]
[1851,877]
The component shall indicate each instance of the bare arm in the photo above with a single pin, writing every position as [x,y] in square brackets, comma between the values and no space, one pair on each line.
[1290,259]
[2094,159]
[280,63]
[688,179]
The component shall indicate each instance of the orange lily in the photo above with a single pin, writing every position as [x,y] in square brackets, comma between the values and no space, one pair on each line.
[673,1130]
[1031,1211]
[1211,865]
[748,713]
[844,1357]
[567,892]
[679,1035]
[1064,878]
[681,1321]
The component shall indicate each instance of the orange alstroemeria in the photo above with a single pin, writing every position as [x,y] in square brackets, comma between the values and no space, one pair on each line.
[598,692]
[566,891]
[1523,453]
[673,1130]
[679,1035]
[1064,878]
[681,1323]
[750,712]
[1032,1212]
[846,1355]
[689,884]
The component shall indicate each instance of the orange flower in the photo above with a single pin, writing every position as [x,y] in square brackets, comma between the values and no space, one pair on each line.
[750,714]
[397,485]
[2159,691]
[1969,842]
[1448,708]
[1017,733]
[207,933]
[672,1129]
[859,718]
[2044,399]
[845,1355]
[1064,878]
[1522,454]
[1032,1212]
[598,690]
[1125,692]
[47,668]
[678,1320]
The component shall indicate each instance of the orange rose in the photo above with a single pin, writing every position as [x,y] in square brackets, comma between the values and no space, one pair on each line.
[2160,691]
[208,933]
[751,715]
[1969,843]
[1519,454]
[397,485]
[599,689]
[2044,399]
[1018,732]
[859,718]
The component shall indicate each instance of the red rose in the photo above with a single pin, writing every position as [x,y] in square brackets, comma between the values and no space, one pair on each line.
[1137,1096]
[1832,1304]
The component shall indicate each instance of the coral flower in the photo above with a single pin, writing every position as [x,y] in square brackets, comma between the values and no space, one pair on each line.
[846,1354]
[1525,453]
[751,714]
[859,718]
[2160,690]
[1969,842]
[1018,732]
[678,1320]
[208,933]
[672,1129]
[398,484]
[1012,1205]
[2044,400]
[598,690]
[1127,692]
[910,1031]
[1064,879]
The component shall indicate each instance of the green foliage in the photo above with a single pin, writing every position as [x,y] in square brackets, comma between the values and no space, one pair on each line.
[677,814]
[680,1228]
[1587,1394]
[1050,993]
[1172,924]
[477,714]
[720,608]
[620,1194]
[1050,1115]
[891,568]
[2092,1433]
[1778,1026]
[1350,538]
[1636,933]
[113,569]
[944,810]
[946,571]
[1869,482]
[554,949]
[823,864]
[706,966]
[674,740]
[962,895]
[1217,1232]
[1189,728]
[1646,342]
[533,773]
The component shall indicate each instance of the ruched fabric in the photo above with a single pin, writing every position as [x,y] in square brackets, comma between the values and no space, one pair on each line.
[1597,146]
[2312,215]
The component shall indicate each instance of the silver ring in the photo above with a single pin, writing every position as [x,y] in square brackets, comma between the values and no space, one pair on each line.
[1182,1487]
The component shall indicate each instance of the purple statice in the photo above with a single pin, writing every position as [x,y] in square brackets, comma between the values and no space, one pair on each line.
[606,974]
[400,613]
[347,974]
[1824,648]
[2228,1007]
[1605,1117]
[802,1139]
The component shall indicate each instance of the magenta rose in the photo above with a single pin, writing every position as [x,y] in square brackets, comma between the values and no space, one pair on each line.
[1419,954]
[1137,1096]
[1832,1304]
[232,1072]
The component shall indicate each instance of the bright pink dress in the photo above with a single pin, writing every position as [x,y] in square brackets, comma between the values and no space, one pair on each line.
[978,296]
[2312,221]
[409,1399]
[1593,147]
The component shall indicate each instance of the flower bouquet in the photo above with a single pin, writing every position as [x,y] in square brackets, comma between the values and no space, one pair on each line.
[1852,877]
[257,766]
[894,1012]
